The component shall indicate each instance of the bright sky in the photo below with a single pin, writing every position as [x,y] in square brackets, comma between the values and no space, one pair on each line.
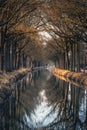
[45,36]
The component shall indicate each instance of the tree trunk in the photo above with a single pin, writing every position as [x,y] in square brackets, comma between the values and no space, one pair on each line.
[7,57]
[2,49]
[78,57]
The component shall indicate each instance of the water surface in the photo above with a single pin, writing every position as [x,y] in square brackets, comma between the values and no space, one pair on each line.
[42,102]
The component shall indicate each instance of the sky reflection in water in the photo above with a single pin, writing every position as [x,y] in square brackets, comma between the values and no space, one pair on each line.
[54,102]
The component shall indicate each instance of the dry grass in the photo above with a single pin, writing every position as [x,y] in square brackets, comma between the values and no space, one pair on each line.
[77,78]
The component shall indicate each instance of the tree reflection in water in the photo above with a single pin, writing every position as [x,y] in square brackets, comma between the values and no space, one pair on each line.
[42,102]
[72,104]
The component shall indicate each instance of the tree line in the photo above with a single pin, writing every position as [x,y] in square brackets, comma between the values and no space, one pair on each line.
[67,24]
[18,33]
[20,22]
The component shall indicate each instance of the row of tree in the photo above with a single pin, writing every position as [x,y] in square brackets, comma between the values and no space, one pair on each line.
[20,22]
[67,24]
[18,33]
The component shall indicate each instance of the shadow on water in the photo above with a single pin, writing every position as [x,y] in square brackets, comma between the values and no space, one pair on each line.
[42,102]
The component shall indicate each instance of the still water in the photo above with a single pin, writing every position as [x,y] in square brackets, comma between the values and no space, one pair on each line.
[40,101]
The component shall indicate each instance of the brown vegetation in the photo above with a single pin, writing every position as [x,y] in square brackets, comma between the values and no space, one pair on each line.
[77,78]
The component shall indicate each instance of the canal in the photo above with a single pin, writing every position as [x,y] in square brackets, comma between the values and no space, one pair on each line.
[41,101]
